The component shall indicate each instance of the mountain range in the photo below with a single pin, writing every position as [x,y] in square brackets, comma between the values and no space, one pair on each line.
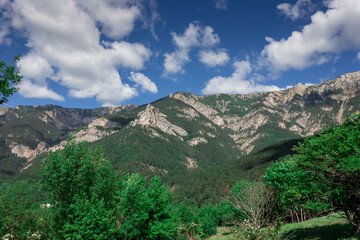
[199,145]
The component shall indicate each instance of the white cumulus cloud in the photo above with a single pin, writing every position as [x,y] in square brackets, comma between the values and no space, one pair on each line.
[212,58]
[194,36]
[298,10]
[35,67]
[30,90]
[65,44]
[238,83]
[116,18]
[143,82]
[328,34]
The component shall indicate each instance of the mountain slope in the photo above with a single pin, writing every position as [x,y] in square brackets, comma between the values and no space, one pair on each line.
[26,131]
[198,144]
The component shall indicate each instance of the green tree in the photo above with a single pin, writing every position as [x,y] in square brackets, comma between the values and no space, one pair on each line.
[145,212]
[162,221]
[9,79]
[90,202]
[89,219]
[189,226]
[131,206]
[21,214]
[332,159]
[296,194]
[81,183]
[208,219]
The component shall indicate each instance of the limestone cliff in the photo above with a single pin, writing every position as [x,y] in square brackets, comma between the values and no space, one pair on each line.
[301,110]
[152,117]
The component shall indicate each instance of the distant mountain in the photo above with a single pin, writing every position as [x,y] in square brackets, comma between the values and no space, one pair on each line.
[26,131]
[187,139]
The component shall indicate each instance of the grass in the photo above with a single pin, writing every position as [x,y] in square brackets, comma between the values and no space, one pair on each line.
[223,233]
[331,227]
[334,226]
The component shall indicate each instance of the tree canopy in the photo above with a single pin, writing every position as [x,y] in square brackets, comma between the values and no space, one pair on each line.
[325,172]
[89,201]
[9,79]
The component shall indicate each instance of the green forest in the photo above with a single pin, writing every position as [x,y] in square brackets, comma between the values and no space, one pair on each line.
[78,195]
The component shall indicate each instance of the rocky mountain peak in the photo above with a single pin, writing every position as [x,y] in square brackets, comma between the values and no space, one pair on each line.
[239,123]
[152,117]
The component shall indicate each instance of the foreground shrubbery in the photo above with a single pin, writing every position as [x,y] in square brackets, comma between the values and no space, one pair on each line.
[80,197]
[324,175]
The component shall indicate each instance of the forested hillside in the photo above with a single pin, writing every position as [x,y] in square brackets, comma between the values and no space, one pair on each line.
[187,140]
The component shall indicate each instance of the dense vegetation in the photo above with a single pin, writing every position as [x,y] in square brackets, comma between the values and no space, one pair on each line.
[80,197]
[324,175]
[9,79]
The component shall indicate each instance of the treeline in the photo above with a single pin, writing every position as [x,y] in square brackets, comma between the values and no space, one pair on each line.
[80,197]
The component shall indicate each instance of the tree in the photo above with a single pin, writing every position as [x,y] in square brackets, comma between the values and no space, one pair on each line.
[89,219]
[145,212]
[81,183]
[21,214]
[331,159]
[77,171]
[208,219]
[131,207]
[162,221]
[255,201]
[189,227]
[9,79]
[296,194]
[90,202]
[258,205]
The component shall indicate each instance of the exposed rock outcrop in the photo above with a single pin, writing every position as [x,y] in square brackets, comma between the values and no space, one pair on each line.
[191,163]
[297,110]
[97,129]
[196,141]
[152,117]
[242,121]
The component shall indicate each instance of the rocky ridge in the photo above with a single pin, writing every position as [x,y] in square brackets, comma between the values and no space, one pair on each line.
[301,110]
[243,122]
[152,117]
[28,131]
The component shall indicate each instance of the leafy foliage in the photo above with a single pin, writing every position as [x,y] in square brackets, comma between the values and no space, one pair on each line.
[332,159]
[77,171]
[90,202]
[21,214]
[145,212]
[295,192]
[9,79]
[324,173]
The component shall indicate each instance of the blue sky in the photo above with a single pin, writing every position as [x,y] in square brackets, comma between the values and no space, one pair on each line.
[89,53]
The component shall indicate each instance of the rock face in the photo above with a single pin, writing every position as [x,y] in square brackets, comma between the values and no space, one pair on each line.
[23,151]
[152,117]
[298,111]
[27,131]
[229,123]
[96,130]
[191,163]
[68,119]
[196,141]
[195,102]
